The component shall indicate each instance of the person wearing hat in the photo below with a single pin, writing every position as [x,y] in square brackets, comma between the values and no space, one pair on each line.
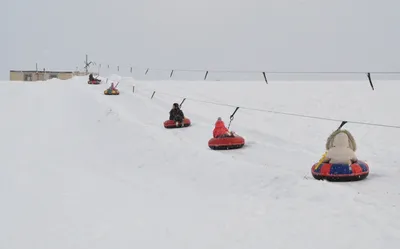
[341,147]
[220,130]
[176,114]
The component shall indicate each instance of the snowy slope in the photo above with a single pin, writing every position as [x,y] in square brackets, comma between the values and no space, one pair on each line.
[84,170]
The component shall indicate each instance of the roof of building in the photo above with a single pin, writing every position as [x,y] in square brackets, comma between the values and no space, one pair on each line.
[34,71]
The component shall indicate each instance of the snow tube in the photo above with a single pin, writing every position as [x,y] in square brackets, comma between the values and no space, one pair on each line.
[226,143]
[341,172]
[172,124]
[93,82]
[113,92]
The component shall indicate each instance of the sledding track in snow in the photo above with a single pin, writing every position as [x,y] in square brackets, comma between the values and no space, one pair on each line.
[119,178]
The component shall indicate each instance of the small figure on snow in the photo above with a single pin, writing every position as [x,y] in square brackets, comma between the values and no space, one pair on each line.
[176,114]
[91,78]
[220,130]
[341,148]
[111,88]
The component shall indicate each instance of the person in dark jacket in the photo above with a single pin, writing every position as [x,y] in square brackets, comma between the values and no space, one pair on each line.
[176,114]
[91,78]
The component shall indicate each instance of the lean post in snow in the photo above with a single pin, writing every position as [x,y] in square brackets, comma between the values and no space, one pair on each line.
[153,94]
[172,72]
[205,76]
[182,102]
[265,77]
[370,80]
[146,71]
[326,152]
[232,117]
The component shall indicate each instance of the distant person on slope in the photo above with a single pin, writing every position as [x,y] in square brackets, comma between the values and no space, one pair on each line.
[111,88]
[91,78]
[341,148]
[176,114]
[220,130]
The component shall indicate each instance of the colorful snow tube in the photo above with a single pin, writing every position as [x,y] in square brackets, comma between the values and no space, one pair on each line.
[341,172]
[93,82]
[113,92]
[226,143]
[172,124]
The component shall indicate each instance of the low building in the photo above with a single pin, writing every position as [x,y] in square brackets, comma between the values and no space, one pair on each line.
[22,75]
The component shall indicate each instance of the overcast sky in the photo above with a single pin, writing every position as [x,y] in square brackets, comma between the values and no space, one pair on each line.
[271,35]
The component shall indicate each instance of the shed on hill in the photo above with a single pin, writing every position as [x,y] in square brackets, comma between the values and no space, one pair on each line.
[27,75]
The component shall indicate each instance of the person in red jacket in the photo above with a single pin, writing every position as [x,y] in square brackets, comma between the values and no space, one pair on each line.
[220,130]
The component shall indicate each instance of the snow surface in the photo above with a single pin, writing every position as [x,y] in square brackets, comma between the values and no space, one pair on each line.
[84,170]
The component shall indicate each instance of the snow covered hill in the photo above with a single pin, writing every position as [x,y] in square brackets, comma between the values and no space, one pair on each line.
[84,170]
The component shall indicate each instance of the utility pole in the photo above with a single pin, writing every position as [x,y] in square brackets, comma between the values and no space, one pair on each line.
[37,73]
[87,65]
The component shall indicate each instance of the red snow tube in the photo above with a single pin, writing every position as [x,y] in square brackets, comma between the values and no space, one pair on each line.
[172,124]
[94,82]
[341,172]
[226,143]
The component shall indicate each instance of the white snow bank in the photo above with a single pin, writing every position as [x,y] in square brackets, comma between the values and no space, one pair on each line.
[84,170]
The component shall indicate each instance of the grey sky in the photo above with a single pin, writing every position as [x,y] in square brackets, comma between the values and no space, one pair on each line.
[272,35]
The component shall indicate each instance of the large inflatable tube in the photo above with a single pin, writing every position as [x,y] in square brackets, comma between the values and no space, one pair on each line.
[113,92]
[226,143]
[172,124]
[94,82]
[341,172]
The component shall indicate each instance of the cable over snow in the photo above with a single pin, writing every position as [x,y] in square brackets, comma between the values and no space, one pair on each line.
[83,170]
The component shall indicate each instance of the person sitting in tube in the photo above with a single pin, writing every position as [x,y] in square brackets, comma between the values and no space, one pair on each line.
[111,88]
[220,130]
[91,78]
[176,114]
[341,148]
